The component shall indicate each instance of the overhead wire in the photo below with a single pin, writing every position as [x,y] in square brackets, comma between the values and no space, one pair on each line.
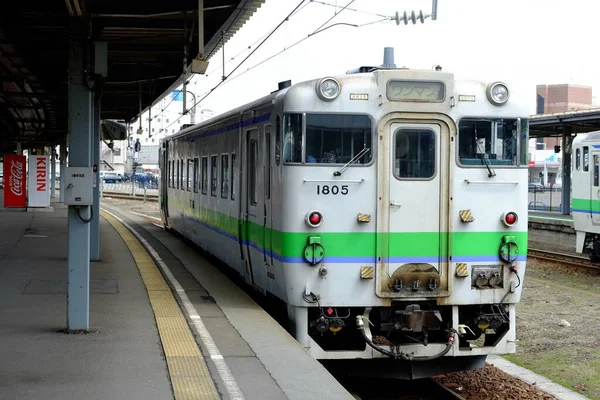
[316,31]
[262,39]
[246,58]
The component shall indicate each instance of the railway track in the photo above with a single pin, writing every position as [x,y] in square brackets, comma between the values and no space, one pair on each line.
[388,389]
[563,258]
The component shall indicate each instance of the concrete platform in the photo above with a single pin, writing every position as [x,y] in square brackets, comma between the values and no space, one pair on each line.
[124,356]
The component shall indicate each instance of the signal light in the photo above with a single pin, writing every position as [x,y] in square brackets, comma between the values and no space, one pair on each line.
[510,218]
[314,219]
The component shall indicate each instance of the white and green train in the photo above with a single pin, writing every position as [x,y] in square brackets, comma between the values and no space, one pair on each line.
[386,207]
[585,175]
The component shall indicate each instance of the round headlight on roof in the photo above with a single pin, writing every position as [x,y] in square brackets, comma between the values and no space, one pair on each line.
[497,93]
[328,89]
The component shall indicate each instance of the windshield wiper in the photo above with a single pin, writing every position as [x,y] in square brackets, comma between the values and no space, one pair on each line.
[486,162]
[354,159]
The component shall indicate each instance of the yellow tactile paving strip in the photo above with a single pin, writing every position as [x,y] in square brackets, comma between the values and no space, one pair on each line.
[189,374]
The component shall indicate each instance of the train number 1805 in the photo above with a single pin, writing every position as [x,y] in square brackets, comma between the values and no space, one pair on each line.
[333,189]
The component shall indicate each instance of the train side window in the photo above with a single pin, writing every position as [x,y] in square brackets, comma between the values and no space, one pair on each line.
[292,145]
[177,175]
[204,175]
[268,162]
[232,176]
[596,169]
[182,175]
[214,171]
[414,153]
[189,174]
[578,159]
[173,174]
[169,174]
[586,159]
[253,171]
[224,175]
[277,140]
[195,175]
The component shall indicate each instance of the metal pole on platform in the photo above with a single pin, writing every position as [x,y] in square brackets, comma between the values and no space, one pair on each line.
[95,224]
[80,140]
[63,163]
[567,141]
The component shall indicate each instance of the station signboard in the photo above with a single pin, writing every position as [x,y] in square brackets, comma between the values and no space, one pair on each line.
[15,171]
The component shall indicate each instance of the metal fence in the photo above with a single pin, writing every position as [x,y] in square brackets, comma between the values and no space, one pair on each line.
[135,189]
[545,199]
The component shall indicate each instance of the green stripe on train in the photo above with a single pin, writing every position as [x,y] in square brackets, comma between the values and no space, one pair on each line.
[585,204]
[349,244]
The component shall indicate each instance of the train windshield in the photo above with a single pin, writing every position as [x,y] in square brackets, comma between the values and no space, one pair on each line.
[329,139]
[492,142]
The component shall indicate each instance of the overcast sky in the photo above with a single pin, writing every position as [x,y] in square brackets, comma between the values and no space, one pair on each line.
[521,42]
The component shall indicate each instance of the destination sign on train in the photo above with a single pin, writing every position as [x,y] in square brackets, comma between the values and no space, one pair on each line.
[416,91]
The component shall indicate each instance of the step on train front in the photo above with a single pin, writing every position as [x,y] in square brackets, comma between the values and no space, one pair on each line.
[386,208]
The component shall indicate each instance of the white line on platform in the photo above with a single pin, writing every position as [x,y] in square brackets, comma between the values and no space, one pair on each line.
[143,215]
[233,389]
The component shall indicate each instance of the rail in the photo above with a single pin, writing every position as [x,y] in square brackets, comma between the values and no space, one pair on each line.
[563,258]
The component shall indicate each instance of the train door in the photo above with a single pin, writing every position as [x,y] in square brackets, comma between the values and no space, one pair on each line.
[413,218]
[595,188]
[254,210]
[165,174]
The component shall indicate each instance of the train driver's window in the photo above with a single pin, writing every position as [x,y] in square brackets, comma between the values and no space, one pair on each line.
[204,175]
[484,142]
[586,159]
[578,159]
[338,138]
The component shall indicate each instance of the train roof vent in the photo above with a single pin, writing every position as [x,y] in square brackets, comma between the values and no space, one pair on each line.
[282,85]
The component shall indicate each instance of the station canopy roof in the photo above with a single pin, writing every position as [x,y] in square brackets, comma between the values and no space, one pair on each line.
[145,43]
[550,125]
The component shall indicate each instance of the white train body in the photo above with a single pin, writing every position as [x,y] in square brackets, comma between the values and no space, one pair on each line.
[424,234]
[585,175]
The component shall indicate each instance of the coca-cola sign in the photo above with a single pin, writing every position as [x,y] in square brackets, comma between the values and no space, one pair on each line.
[14,181]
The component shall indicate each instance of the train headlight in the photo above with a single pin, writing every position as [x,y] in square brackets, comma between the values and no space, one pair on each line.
[510,218]
[497,93]
[328,89]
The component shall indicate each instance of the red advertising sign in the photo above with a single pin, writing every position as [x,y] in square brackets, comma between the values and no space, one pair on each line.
[14,181]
